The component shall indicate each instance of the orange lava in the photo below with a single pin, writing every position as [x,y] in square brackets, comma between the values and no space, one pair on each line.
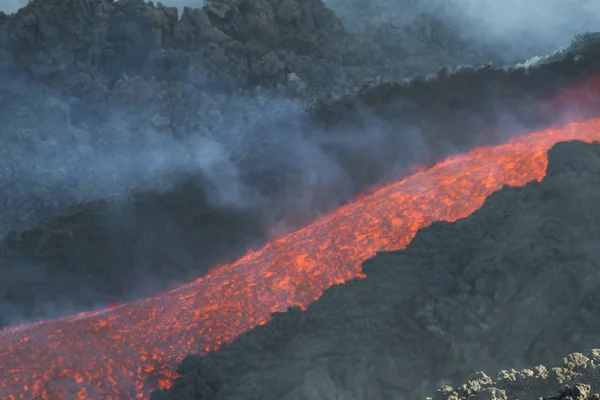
[124,352]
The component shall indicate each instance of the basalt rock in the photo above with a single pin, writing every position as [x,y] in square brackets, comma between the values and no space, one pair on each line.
[229,44]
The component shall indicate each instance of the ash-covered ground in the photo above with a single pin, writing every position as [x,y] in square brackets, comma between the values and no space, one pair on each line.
[514,285]
[139,146]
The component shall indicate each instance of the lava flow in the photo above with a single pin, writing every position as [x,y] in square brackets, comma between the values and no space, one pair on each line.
[127,350]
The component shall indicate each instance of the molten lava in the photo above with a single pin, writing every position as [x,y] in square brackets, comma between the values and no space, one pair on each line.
[126,351]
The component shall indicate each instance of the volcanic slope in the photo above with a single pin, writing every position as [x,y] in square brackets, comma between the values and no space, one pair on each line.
[111,251]
[512,285]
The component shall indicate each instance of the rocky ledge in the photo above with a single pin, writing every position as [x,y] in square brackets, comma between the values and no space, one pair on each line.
[576,378]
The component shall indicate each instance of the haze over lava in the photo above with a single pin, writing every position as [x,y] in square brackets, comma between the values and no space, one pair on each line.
[131,349]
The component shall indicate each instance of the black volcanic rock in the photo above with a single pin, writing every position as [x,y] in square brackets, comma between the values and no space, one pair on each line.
[481,90]
[231,44]
[513,285]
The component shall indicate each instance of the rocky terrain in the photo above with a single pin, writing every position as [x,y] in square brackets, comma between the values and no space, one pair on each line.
[514,285]
[531,383]
[140,147]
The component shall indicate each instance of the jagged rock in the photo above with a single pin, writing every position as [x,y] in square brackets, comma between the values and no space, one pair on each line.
[295,82]
[123,36]
[561,384]
[196,29]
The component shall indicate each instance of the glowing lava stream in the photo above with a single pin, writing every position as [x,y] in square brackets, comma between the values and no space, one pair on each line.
[115,354]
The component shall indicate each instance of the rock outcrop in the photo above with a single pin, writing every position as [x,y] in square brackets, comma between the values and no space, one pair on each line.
[575,378]
[232,44]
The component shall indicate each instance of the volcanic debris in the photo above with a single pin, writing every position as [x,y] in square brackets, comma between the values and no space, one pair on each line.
[529,383]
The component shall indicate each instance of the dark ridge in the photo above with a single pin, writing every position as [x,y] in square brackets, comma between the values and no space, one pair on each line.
[513,285]
[487,93]
[227,44]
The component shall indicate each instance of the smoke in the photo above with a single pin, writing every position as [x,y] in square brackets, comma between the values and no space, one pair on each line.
[11,6]
[530,25]
[512,29]
[115,171]
[103,209]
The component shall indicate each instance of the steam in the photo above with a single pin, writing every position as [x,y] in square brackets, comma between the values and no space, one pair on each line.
[529,25]
[116,172]
[66,164]
[254,163]
[516,29]
[12,6]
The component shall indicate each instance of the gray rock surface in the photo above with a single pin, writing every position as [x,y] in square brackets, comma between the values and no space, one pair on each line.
[575,378]
[511,286]
[236,44]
